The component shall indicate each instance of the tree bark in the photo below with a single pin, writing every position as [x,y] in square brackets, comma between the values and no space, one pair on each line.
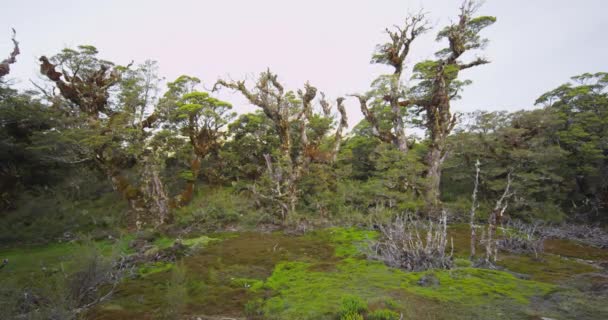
[187,194]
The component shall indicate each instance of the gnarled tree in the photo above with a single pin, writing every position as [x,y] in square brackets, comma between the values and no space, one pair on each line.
[201,118]
[294,119]
[439,85]
[383,107]
[86,84]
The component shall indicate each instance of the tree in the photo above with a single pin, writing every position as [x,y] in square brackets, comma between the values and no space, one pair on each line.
[201,118]
[250,137]
[22,166]
[104,132]
[387,121]
[582,109]
[439,84]
[521,145]
[293,118]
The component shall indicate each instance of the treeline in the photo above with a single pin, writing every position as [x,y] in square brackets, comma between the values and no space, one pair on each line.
[95,130]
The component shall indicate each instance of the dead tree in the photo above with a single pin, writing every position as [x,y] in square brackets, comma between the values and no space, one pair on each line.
[491,241]
[474,206]
[392,53]
[291,117]
[5,65]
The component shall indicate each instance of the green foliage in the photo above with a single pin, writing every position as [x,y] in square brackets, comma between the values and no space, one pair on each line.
[351,307]
[53,215]
[154,267]
[251,136]
[216,207]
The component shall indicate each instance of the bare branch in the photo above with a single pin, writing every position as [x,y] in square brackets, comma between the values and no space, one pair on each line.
[395,52]
[12,58]
[474,63]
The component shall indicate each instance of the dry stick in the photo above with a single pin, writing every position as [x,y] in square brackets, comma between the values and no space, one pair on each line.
[499,209]
[474,206]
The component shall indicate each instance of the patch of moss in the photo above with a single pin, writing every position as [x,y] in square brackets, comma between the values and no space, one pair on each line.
[473,286]
[198,242]
[251,284]
[352,305]
[24,261]
[348,242]
[550,268]
[152,268]
[574,249]
[163,242]
[304,294]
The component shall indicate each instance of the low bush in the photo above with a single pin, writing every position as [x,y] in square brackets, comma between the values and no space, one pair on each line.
[412,244]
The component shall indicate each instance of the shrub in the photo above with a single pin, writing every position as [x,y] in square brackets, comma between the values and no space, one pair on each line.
[402,246]
[214,208]
[519,237]
[88,278]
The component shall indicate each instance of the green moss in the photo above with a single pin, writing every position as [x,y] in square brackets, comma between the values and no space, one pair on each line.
[198,242]
[24,261]
[251,284]
[352,305]
[473,286]
[304,294]
[155,267]
[348,242]
[164,242]
[274,276]
[574,249]
[351,316]
[550,268]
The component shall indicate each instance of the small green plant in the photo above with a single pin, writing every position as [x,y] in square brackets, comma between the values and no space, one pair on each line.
[352,306]
[351,316]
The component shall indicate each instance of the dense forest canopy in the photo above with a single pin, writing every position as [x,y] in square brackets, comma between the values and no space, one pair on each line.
[95,128]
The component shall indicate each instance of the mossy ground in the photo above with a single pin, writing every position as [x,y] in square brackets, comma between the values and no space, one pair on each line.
[276,276]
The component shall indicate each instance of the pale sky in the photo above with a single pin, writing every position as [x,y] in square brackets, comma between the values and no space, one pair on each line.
[535,45]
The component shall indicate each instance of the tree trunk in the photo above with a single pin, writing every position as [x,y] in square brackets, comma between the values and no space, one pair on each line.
[188,193]
[473,208]
[400,139]
[134,198]
[435,158]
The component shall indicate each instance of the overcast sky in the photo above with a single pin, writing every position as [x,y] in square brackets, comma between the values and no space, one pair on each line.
[535,45]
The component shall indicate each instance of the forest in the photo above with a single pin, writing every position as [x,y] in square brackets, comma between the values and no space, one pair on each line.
[123,196]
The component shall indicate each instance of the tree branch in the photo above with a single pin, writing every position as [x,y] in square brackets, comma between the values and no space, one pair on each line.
[474,63]
[12,58]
